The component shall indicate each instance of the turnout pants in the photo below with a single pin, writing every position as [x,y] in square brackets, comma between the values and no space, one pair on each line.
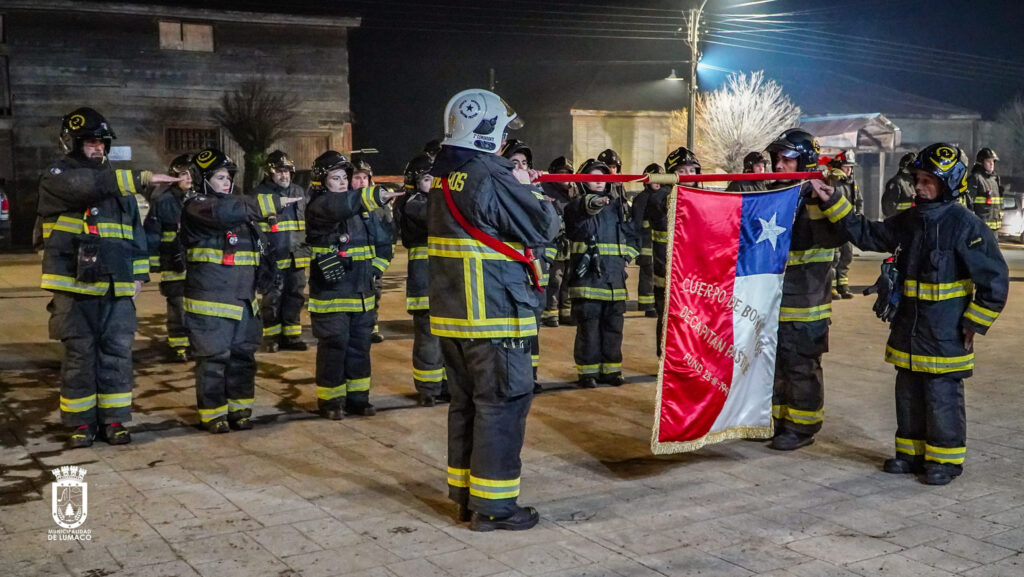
[931,421]
[841,266]
[177,334]
[491,393]
[225,353]
[557,292]
[598,348]
[799,396]
[645,284]
[281,307]
[428,372]
[343,358]
[535,340]
[659,306]
[96,371]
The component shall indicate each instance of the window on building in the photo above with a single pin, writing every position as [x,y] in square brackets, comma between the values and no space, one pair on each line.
[5,88]
[180,140]
[186,36]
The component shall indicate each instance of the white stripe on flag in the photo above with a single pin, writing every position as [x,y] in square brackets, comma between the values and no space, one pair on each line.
[749,403]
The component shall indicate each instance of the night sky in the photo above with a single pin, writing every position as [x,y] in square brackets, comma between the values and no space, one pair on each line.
[409,57]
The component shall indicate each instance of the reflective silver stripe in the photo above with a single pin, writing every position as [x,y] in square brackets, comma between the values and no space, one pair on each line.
[493,488]
[951,455]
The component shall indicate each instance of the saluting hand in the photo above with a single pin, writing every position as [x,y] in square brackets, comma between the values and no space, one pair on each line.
[288,200]
[387,195]
[163,179]
[823,190]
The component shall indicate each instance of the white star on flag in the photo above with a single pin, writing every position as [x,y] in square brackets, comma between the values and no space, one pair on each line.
[770,231]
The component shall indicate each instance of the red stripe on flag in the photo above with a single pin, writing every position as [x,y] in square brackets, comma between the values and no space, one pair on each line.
[697,370]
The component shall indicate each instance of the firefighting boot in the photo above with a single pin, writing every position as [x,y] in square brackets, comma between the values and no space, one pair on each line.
[788,440]
[335,414]
[293,344]
[613,379]
[550,321]
[427,400]
[116,434]
[940,474]
[180,355]
[81,437]
[898,466]
[524,518]
[218,426]
[537,389]
[240,424]
[651,313]
[844,292]
[835,294]
[376,336]
[463,514]
[363,409]
[271,346]
[587,382]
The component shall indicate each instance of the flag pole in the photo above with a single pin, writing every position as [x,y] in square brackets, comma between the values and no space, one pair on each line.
[680,178]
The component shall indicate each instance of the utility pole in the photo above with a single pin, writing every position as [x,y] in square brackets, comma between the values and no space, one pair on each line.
[693,40]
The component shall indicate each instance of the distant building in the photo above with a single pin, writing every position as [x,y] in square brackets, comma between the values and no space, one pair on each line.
[156,72]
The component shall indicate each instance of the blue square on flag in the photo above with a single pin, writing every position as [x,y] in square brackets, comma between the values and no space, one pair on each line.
[766,225]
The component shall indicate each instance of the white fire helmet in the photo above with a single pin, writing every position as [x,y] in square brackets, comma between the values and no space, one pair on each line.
[478,119]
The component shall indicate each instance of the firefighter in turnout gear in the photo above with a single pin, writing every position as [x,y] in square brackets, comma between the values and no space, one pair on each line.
[645,286]
[754,163]
[899,190]
[604,240]
[427,361]
[806,311]
[346,238]
[166,254]
[94,263]
[983,189]
[281,306]
[679,161]
[482,220]
[223,251]
[362,176]
[840,177]
[522,160]
[953,283]
[558,309]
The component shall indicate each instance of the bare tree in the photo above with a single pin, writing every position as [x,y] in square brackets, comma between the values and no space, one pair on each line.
[743,116]
[255,117]
[1012,117]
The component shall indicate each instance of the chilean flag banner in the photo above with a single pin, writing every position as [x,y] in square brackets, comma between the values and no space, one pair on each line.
[726,261]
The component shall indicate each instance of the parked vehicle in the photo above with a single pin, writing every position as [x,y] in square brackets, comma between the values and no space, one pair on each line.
[1013,217]
[5,220]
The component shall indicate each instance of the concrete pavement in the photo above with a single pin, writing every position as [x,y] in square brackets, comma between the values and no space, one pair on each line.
[299,495]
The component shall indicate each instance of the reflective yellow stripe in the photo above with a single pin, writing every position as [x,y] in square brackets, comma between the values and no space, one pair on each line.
[608,368]
[647,251]
[466,248]
[588,369]
[550,253]
[154,261]
[168,235]
[114,400]
[925,364]
[805,314]
[496,328]
[937,291]
[271,330]
[458,477]
[799,257]
[140,266]
[535,360]
[428,375]
[78,405]
[69,284]
[659,281]
[914,447]
[659,235]
[904,206]
[177,342]
[171,276]
[814,212]
[606,249]
[114,230]
[125,182]
[330,393]
[645,299]
[381,264]
[417,303]
[207,415]
[284,263]
[418,253]
[951,455]
[284,226]
[342,305]
[357,385]
[266,202]
[493,488]
[598,294]
[212,309]
[239,404]
[798,416]
[292,330]
[363,252]
[837,211]
[216,256]
[369,200]
[981,315]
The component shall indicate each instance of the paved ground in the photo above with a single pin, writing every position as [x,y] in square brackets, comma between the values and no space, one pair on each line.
[303,496]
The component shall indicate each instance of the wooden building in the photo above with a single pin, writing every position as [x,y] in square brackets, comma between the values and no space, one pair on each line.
[156,72]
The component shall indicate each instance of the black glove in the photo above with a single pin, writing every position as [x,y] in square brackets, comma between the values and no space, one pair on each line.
[888,287]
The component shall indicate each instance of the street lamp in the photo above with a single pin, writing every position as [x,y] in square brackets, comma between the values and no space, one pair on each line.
[693,39]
